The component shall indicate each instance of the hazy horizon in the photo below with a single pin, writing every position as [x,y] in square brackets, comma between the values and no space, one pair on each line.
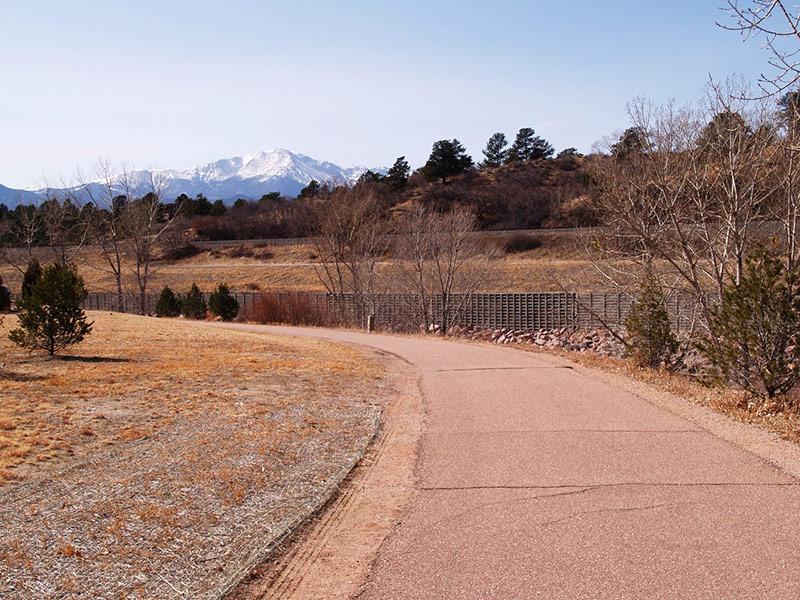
[352,83]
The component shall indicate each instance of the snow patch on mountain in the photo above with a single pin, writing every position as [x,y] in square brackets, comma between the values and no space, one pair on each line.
[249,177]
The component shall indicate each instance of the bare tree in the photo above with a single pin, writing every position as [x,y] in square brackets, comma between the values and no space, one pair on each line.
[26,233]
[64,226]
[687,200]
[144,221]
[351,239]
[108,222]
[443,262]
[777,23]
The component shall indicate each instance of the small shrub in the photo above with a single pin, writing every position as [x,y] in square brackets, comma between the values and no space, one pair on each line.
[223,304]
[521,242]
[193,305]
[51,315]
[648,326]
[180,252]
[754,331]
[241,251]
[292,309]
[168,304]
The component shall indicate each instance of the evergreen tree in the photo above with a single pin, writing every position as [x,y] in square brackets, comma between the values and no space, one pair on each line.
[648,326]
[569,153]
[31,276]
[495,152]
[370,176]
[725,131]
[542,149]
[218,208]
[632,141]
[753,339]
[51,315]
[397,176]
[312,189]
[193,305]
[270,197]
[224,304]
[168,304]
[448,158]
[529,146]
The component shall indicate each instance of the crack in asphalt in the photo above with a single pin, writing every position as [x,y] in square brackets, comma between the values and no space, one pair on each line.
[508,500]
[611,510]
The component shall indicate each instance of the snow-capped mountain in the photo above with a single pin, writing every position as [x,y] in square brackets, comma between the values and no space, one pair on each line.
[230,178]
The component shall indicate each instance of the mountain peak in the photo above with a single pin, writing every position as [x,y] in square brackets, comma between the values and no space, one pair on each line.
[250,176]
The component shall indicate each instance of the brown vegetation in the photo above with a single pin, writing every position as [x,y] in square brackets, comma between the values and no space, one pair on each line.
[155,445]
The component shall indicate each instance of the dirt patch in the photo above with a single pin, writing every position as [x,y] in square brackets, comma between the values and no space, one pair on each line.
[331,556]
[205,445]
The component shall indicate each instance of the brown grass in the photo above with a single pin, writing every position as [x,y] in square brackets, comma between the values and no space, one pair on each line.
[166,446]
[130,378]
[559,262]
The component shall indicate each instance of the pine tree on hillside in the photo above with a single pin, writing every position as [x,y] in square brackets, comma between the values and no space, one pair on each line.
[448,158]
[529,146]
[542,149]
[370,176]
[569,153]
[495,152]
[632,141]
[397,176]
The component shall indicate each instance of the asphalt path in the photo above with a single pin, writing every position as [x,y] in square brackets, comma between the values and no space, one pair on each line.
[538,479]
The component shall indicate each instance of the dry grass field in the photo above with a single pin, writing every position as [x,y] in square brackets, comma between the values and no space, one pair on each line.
[559,262]
[161,455]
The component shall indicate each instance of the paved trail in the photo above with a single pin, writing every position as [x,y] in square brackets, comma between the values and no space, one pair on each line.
[539,480]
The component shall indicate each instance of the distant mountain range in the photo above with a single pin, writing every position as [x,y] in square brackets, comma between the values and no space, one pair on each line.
[230,178]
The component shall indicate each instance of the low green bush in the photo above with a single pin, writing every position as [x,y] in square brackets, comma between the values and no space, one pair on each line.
[753,341]
[223,304]
[168,304]
[649,331]
[193,305]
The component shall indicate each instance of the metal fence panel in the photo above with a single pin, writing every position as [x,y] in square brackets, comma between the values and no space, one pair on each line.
[543,310]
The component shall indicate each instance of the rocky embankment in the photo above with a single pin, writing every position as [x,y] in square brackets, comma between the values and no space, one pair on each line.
[599,341]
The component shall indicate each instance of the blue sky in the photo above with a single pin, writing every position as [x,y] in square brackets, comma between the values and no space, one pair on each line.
[172,84]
